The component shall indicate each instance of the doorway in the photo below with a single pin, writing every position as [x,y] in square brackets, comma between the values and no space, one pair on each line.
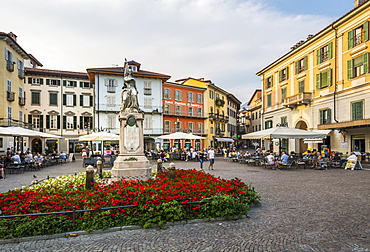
[358,143]
[36,146]
[300,145]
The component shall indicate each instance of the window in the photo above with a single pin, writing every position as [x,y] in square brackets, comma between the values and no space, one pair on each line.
[35,98]
[283,120]
[269,101]
[147,88]
[200,98]
[269,82]
[71,83]
[283,94]
[223,127]
[358,35]
[178,95]
[133,68]
[166,109]
[210,94]
[147,103]
[325,116]
[190,127]
[190,97]
[284,74]
[53,99]
[268,124]
[9,112]
[147,123]
[323,79]
[52,82]
[35,81]
[357,110]
[167,126]
[200,128]
[112,121]
[84,84]
[9,60]
[69,100]
[358,66]
[111,85]
[20,116]
[8,85]
[86,100]
[211,130]
[324,53]
[217,96]
[69,122]
[178,126]
[301,65]
[111,101]
[301,86]
[166,94]
[190,111]
[177,110]
[20,92]
[86,122]
[53,122]
[200,112]
[20,66]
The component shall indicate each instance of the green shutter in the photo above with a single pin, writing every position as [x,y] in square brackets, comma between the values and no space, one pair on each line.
[64,122]
[330,50]
[30,119]
[296,68]
[305,62]
[47,81]
[91,101]
[64,100]
[318,82]
[74,122]
[366,31]
[350,40]
[318,56]
[29,80]
[41,121]
[81,84]
[58,122]
[47,122]
[349,69]
[366,63]
[328,114]
[75,83]
[81,100]
[74,100]
[329,76]
[280,76]
[64,83]
[91,85]
[321,116]
[81,122]
[287,73]
[58,82]
[41,81]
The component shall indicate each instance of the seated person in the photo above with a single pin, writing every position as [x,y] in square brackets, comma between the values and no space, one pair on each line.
[270,158]
[2,169]
[318,160]
[28,157]
[283,160]
[62,155]
[16,158]
[39,160]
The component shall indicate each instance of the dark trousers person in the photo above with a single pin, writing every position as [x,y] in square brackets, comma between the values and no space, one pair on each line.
[201,160]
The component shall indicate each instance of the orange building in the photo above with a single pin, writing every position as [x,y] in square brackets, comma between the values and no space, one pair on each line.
[183,111]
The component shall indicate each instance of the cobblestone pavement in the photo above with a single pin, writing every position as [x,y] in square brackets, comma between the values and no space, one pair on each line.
[302,210]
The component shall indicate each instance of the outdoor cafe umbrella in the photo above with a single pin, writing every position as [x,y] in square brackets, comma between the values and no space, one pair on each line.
[99,136]
[19,131]
[284,133]
[181,135]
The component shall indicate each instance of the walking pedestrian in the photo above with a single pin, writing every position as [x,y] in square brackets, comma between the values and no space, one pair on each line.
[201,159]
[211,158]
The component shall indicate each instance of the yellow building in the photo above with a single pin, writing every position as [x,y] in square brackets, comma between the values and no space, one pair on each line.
[323,83]
[215,106]
[12,98]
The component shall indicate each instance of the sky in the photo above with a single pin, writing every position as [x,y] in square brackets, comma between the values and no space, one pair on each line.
[225,41]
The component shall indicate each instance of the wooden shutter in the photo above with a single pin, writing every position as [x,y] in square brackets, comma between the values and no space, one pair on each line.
[58,82]
[328,115]
[318,56]
[58,122]
[74,100]
[366,63]
[81,122]
[47,81]
[64,100]
[41,81]
[349,69]
[81,84]
[64,122]
[81,100]
[6,54]
[75,83]
[296,68]
[280,75]
[30,119]
[74,122]
[366,31]
[91,101]
[330,50]
[64,83]
[29,80]
[287,72]
[318,82]
[350,39]
[305,63]
[321,116]
[47,122]
[329,76]
[41,121]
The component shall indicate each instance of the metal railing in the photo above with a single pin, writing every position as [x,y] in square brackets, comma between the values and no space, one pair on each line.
[10,96]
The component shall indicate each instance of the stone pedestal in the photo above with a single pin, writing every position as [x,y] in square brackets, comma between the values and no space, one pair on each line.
[131,163]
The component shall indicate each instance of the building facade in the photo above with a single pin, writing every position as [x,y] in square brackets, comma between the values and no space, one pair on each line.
[323,83]
[183,111]
[233,107]
[108,88]
[12,95]
[60,103]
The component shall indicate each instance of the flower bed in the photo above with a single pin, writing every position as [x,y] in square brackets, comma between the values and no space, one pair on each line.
[157,201]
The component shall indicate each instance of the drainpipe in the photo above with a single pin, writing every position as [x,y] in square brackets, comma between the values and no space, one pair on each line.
[335,75]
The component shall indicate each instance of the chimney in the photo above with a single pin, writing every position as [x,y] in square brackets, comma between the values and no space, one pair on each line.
[12,35]
[358,2]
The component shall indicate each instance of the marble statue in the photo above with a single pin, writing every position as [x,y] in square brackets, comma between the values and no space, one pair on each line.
[129,98]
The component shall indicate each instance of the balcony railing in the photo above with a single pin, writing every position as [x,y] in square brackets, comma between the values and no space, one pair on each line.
[21,73]
[183,113]
[152,109]
[298,99]
[10,65]
[217,117]
[185,130]
[10,96]
[21,101]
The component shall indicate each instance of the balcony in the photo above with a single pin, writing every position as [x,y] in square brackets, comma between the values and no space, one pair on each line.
[304,98]
[152,109]
[10,66]
[185,130]
[194,114]
[347,124]
[21,101]
[10,96]
[218,118]
[21,73]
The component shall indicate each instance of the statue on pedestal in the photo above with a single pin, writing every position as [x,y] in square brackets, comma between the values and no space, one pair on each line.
[129,94]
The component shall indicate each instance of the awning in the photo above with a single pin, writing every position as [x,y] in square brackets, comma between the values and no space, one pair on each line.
[317,140]
[19,131]
[222,139]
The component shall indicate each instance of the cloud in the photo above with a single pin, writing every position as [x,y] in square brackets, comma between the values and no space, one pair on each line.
[224,41]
